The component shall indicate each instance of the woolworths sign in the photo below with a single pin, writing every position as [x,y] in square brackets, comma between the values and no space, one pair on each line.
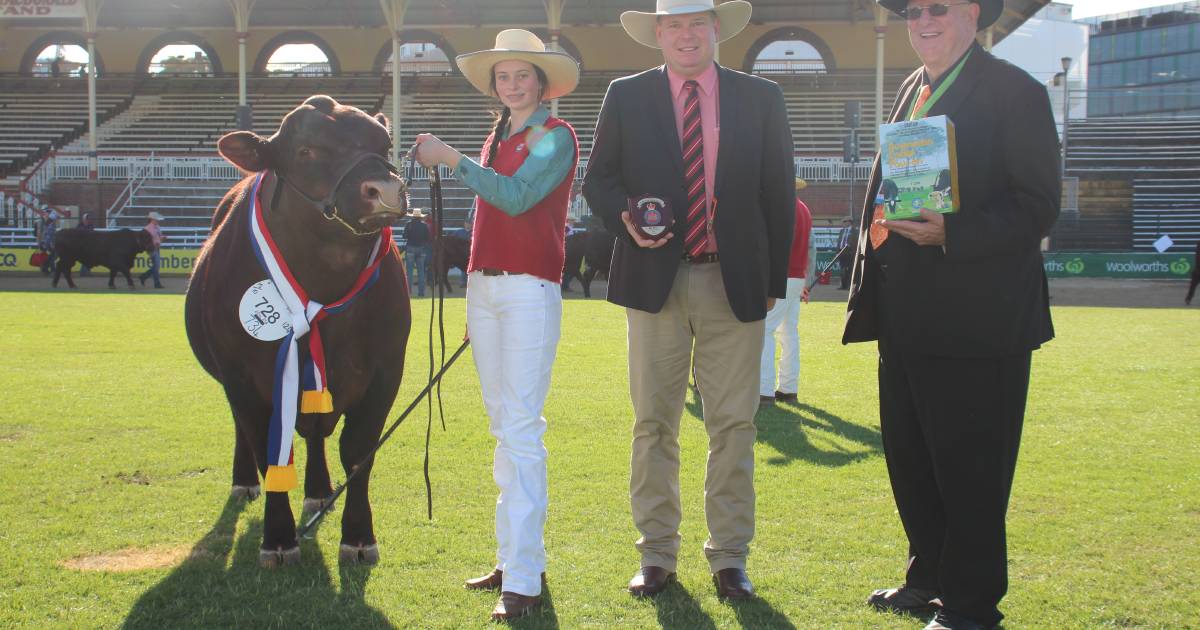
[1068,265]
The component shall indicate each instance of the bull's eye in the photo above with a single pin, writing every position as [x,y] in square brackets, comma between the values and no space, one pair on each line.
[305,152]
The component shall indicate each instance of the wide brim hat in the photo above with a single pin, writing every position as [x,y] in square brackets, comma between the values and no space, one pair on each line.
[989,10]
[562,71]
[732,17]
[154,215]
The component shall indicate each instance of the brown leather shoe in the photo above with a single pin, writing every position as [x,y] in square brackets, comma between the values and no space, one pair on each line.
[905,600]
[650,581]
[491,582]
[512,605]
[733,584]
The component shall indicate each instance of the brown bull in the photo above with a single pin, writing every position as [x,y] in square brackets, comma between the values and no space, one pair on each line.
[326,195]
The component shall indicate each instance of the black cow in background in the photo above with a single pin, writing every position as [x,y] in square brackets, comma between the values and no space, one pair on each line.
[575,244]
[449,252]
[115,250]
[327,191]
[597,256]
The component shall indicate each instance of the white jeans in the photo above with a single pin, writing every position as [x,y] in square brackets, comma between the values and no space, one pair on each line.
[784,319]
[514,322]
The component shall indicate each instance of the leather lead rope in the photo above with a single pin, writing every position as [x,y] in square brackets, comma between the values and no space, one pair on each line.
[437,307]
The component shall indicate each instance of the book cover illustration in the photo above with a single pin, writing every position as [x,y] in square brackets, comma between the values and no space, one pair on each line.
[919,168]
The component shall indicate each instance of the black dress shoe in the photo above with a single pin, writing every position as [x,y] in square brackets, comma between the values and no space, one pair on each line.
[785,398]
[514,605]
[946,620]
[650,581]
[905,600]
[733,584]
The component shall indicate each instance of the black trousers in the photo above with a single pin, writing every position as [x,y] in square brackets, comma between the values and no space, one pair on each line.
[951,430]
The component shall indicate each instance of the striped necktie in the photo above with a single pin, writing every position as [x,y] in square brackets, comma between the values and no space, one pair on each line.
[693,163]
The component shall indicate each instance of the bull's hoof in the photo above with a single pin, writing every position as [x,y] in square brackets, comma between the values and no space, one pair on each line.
[249,493]
[275,558]
[366,554]
[312,506]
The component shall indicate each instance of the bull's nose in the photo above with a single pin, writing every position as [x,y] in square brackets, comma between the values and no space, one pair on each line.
[383,195]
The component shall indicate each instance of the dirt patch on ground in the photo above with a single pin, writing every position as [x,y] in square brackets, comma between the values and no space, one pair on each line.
[1063,291]
[134,559]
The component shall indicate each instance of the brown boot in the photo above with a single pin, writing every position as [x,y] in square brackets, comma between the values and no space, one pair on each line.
[489,582]
[514,605]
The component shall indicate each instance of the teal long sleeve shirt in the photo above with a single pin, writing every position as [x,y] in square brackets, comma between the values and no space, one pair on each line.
[543,170]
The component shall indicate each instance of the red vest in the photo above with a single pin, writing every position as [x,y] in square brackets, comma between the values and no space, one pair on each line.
[531,242]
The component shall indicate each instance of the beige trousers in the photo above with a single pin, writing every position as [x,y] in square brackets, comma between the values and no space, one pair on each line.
[696,316]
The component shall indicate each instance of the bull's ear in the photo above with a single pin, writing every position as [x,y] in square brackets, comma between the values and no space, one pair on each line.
[246,149]
[383,120]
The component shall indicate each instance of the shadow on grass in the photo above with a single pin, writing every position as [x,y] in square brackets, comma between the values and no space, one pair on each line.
[204,592]
[758,613]
[678,610]
[783,426]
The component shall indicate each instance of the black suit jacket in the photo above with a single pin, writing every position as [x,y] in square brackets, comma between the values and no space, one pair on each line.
[636,151]
[985,294]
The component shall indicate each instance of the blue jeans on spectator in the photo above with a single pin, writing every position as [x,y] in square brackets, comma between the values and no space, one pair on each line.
[416,259]
[152,272]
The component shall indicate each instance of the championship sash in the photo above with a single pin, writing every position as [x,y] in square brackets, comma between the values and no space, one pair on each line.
[304,314]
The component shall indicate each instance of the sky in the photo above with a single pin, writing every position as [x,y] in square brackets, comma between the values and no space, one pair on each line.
[1090,8]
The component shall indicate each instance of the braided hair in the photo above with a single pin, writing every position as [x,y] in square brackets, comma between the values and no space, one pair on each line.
[504,114]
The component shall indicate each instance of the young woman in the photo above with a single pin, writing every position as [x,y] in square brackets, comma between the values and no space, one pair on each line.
[514,304]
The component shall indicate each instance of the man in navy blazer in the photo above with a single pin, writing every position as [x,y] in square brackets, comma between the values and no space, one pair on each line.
[716,145]
[957,304]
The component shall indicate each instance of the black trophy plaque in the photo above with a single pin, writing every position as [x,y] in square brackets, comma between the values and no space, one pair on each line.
[651,216]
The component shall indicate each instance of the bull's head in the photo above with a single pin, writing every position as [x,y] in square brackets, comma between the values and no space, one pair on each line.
[333,155]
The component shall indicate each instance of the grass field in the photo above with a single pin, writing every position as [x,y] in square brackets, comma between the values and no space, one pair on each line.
[115,455]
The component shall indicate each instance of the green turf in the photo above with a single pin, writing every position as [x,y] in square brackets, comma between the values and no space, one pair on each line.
[112,438]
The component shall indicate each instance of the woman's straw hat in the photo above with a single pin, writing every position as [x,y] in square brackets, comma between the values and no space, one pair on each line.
[562,71]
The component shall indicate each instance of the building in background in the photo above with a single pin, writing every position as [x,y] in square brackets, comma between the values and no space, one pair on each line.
[1038,48]
[1145,62]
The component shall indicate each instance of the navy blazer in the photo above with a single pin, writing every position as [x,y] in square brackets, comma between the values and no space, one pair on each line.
[636,151]
[985,294]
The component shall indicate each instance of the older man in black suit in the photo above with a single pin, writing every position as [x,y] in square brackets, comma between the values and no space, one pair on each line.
[715,145]
[958,303]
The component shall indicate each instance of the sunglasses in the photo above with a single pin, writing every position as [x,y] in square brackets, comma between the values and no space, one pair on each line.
[936,10]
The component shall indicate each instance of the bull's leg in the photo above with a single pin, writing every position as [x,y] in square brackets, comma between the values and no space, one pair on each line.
[112,278]
[128,278]
[363,426]
[245,470]
[317,488]
[586,281]
[252,416]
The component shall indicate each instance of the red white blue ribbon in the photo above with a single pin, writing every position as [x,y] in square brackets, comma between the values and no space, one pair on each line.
[305,315]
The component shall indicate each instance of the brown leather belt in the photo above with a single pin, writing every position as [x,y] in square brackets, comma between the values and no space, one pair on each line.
[488,271]
[711,257]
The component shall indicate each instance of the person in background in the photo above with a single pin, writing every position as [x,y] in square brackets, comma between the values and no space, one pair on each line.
[1195,276]
[514,305]
[716,145]
[50,217]
[417,250]
[784,319]
[156,237]
[86,224]
[847,242]
[957,303]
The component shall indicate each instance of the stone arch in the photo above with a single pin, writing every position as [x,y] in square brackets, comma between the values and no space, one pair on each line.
[178,37]
[789,33]
[56,37]
[295,37]
[415,35]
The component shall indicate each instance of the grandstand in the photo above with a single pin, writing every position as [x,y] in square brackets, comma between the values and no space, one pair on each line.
[156,130]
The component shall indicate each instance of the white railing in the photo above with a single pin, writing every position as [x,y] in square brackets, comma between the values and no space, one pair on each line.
[122,167]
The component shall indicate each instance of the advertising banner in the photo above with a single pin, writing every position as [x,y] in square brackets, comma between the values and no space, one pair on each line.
[175,262]
[41,9]
[1115,265]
